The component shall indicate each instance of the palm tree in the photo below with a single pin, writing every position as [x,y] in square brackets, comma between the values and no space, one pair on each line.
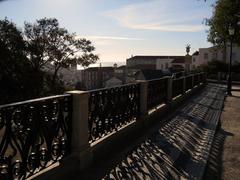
[188,47]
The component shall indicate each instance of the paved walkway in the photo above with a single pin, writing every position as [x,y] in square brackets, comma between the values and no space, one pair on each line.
[224,162]
[177,149]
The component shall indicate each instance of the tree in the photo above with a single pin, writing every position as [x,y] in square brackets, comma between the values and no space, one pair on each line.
[224,14]
[25,54]
[14,66]
[188,47]
[48,43]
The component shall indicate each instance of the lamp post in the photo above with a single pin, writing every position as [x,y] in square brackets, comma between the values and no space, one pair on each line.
[231,31]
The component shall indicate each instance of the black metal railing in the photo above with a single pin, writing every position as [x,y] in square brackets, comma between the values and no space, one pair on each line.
[112,108]
[33,135]
[189,82]
[195,79]
[202,77]
[177,87]
[157,92]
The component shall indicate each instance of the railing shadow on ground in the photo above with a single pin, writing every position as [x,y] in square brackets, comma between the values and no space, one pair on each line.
[176,150]
[215,161]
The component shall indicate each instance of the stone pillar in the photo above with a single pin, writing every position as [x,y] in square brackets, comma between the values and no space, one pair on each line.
[143,97]
[184,84]
[80,145]
[199,78]
[192,80]
[205,77]
[169,90]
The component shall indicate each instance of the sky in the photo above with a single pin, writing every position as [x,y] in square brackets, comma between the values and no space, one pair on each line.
[120,29]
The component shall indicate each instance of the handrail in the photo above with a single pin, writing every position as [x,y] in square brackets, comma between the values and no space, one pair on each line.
[34,100]
[107,88]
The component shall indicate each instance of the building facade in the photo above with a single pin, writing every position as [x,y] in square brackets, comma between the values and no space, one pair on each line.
[213,53]
[94,77]
[163,63]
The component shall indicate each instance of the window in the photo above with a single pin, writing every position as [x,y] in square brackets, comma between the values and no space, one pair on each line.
[205,55]
[193,60]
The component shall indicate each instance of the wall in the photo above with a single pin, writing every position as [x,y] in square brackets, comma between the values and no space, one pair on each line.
[214,54]
[161,63]
[140,61]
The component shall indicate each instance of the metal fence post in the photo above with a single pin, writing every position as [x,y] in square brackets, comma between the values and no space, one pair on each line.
[169,90]
[184,84]
[80,144]
[143,97]
[192,80]
[199,79]
[204,77]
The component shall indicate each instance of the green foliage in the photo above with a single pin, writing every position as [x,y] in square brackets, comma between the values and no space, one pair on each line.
[217,66]
[14,66]
[48,43]
[188,47]
[25,55]
[214,67]
[225,14]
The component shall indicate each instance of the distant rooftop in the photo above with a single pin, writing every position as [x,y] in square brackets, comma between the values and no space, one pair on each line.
[156,57]
[151,74]
[195,53]
[97,68]
[179,60]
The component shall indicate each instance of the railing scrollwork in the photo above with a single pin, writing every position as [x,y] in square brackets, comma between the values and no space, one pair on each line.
[33,135]
[157,92]
[112,108]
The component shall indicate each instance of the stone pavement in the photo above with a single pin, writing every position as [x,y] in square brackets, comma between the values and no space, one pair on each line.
[177,149]
[224,161]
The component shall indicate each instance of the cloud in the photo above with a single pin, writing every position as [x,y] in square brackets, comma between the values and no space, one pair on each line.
[111,38]
[174,15]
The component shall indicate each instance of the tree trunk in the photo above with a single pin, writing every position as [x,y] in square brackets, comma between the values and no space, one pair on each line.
[55,86]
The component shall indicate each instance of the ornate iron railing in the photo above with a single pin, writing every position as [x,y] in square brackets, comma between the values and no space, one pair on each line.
[177,87]
[202,77]
[157,92]
[112,108]
[189,82]
[33,135]
[195,79]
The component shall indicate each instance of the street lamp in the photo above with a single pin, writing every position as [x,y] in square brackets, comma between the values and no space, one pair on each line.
[231,31]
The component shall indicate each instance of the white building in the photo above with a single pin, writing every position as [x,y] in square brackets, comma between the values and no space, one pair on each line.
[164,63]
[196,63]
[212,53]
[154,62]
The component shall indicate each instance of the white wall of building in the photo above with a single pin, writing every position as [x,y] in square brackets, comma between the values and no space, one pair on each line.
[208,54]
[195,62]
[163,64]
